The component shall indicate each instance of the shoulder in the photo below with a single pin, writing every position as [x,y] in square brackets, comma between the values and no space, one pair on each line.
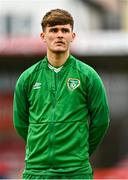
[84,68]
[30,72]
[87,73]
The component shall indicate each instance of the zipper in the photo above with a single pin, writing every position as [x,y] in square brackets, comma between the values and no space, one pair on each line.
[52,123]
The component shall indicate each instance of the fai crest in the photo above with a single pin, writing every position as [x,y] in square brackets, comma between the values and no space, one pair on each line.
[73,83]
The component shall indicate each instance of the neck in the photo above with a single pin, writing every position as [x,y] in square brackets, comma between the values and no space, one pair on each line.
[57,59]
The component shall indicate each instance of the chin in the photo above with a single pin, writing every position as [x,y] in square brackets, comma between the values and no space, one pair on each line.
[59,50]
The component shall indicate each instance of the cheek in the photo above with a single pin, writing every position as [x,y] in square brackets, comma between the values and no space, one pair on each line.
[69,39]
[50,39]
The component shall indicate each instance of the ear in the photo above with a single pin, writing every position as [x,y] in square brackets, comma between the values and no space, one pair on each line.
[73,37]
[42,35]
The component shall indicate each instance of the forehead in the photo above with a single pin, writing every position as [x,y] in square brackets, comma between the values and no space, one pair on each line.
[67,26]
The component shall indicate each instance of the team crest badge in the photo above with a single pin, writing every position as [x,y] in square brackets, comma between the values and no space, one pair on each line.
[73,83]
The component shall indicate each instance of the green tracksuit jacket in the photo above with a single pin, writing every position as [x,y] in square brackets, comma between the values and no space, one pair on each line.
[62,117]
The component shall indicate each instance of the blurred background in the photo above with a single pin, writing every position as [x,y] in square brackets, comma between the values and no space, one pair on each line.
[102,42]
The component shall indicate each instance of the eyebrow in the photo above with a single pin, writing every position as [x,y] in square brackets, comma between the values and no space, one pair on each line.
[64,28]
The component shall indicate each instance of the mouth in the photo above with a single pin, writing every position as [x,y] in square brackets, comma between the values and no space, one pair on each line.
[60,43]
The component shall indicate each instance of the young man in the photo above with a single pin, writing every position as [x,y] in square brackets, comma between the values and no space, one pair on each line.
[60,107]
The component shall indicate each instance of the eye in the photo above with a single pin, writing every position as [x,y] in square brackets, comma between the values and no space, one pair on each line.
[53,30]
[65,30]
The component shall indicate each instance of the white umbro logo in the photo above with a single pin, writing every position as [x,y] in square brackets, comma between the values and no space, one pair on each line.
[37,85]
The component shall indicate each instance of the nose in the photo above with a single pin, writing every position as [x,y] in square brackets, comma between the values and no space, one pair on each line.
[60,34]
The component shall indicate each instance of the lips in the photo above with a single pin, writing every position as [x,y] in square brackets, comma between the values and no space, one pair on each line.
[59,42]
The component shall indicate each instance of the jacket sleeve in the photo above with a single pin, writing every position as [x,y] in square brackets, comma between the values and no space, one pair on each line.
[20,110]
[98,112]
